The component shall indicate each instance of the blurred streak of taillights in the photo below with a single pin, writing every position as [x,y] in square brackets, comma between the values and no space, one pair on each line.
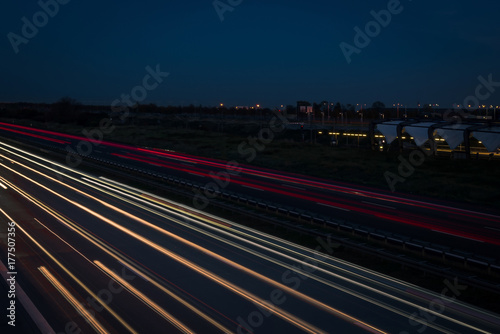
[92,321]
[3,186]
[36,136]
[320,183]
[142,297]
[268,173]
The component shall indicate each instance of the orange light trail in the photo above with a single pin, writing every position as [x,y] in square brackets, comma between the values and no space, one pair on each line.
[142,297]
[73,301]
[110,252]
[80,283]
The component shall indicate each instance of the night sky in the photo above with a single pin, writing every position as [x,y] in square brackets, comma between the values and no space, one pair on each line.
[262,52]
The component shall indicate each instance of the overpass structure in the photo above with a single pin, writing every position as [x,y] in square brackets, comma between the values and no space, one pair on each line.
[430,132]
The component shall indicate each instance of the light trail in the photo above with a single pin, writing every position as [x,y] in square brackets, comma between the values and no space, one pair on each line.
[397,219]
[80,283]
[334,203]
[359,296]
[219,280]
[142,297]
[305,273]
[92,321]
[36,136]
[318,183]
[206,217]
[268,173]
[281,313]
[138,190]
[113,253]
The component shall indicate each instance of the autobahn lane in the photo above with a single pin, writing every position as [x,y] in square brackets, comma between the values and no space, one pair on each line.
[137,249]
[206,272]
[69,255]
[455,226]
[176,271]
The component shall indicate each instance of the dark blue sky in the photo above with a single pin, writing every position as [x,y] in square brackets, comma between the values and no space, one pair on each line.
[267,52]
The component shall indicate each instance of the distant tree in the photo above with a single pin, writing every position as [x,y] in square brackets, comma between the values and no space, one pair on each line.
[65,110]
[377,109]
[337,109]
[379,106]
[350,111]
[324,106]
[147,108]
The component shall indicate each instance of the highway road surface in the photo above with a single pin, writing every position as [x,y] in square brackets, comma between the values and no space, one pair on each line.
[96,255]
[468,228]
